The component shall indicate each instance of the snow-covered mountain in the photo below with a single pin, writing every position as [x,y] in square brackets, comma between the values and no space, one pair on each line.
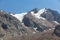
[42,19]
[32,23]
[40,14]
[37,15]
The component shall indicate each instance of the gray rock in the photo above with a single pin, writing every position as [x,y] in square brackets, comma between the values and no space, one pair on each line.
[31,21]
[35,10]
[10,24]
[57,30]
[51,15]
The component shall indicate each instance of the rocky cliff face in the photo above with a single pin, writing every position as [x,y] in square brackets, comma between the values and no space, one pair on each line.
[42,20]
[51,15]
[57,30]
[10,25]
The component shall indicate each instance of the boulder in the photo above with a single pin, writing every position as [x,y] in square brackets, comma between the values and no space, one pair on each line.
[57,30]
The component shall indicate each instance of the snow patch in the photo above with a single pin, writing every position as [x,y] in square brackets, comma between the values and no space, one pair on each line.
[37,15]
[45,31]
[42,18]
[19,16]
[50,29]
[35,28]
[56,22]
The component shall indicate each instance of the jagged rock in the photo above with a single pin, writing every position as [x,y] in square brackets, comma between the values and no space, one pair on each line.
[51,15]
[30,21]
[48,15]
[10,24]
[4,26]
[57,30]
[35,10]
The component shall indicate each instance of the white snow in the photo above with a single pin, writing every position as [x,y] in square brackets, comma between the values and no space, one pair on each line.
[35,28]
[56,22]
[42,18]
[45,31]
[37,15]
[19,16]
[42,10]
[50,29]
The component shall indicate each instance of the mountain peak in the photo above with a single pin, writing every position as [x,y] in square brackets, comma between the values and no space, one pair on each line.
[43,10]
[35,10]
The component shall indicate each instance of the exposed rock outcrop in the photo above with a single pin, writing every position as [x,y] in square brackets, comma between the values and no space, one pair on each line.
[57,30]
[9,24]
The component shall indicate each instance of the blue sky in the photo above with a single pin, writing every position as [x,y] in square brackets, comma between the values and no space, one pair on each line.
[17,6]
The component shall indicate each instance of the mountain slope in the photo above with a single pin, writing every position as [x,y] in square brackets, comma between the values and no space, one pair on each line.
[10,25]
[32,25]
[43,19]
